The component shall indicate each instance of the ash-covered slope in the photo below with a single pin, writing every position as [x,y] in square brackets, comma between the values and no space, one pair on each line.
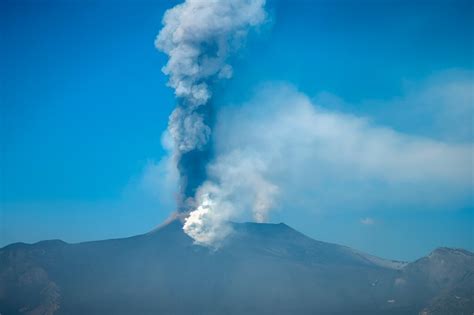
[261,269]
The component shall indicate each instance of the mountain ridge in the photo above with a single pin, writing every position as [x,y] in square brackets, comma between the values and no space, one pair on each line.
[176,221]
[260,268]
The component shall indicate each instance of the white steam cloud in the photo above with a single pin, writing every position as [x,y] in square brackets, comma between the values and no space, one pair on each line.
[237,184]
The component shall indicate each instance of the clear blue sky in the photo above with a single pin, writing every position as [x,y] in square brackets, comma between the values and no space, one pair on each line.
[84,103]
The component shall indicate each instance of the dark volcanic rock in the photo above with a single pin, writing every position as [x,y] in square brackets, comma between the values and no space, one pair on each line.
[261,269]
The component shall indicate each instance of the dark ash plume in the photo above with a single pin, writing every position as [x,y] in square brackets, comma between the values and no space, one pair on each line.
[198,36]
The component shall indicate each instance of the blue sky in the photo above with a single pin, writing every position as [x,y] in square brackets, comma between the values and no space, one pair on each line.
[84,104]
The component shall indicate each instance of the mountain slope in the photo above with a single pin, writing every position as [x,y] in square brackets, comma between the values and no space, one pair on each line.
[261,269]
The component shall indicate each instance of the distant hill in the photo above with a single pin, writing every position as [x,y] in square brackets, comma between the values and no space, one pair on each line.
[261,269]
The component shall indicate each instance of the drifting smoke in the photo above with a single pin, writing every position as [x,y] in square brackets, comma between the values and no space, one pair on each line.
[198,36]
[323,160]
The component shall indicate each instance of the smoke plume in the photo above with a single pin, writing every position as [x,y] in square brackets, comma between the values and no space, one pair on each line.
[199,36]
[237,183]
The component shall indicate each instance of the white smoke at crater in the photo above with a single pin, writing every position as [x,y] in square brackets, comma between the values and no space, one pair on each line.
[237,186]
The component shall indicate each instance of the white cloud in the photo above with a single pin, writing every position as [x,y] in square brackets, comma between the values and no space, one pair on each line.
[447,99]
[367,221]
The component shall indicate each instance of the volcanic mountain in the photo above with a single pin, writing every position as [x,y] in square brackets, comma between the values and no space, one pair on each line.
[260,269]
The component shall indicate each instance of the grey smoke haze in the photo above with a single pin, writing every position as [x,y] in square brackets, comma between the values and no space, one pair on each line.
[317,160]
[281,149]
[440,106]
[330,160]
[198,36]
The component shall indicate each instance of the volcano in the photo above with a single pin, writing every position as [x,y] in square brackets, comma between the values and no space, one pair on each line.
[260,269]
